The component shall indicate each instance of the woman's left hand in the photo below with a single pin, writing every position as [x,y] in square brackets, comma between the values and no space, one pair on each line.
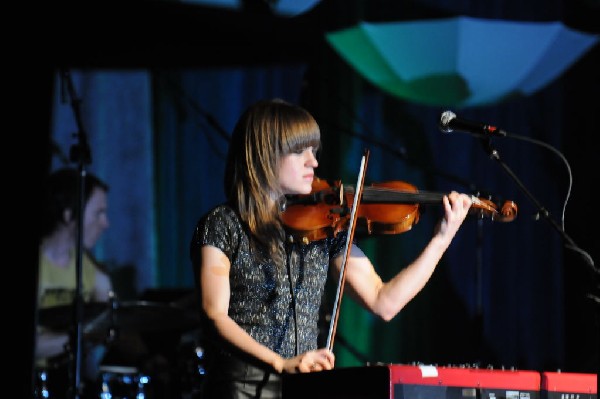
[456,208]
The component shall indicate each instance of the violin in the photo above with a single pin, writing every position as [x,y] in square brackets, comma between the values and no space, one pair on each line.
[385,208]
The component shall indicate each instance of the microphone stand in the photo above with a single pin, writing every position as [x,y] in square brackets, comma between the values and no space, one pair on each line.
[80,154]
[569,243]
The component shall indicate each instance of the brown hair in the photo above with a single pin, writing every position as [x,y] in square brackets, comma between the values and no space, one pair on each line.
[62,193]
[266,131]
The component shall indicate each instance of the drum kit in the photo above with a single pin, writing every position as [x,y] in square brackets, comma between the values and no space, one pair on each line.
[152,350]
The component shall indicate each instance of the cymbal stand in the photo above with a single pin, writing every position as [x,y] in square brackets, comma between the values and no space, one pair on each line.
[113,332]
[80,154]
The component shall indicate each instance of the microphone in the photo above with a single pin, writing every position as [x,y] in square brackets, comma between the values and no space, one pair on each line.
[450,122]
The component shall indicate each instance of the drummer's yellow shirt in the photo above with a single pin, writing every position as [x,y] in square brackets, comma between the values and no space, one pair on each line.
[56,285]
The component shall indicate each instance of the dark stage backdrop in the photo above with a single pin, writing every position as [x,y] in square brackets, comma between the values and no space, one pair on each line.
[159,95]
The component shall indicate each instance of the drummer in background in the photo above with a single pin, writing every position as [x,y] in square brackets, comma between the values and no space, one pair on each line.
[58,256]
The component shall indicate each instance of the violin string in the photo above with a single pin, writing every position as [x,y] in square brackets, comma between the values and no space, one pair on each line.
[389,195]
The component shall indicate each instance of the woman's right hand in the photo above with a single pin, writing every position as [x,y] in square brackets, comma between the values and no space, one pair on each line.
[308,362]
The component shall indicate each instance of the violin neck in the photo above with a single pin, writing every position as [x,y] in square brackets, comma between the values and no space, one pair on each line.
[382,195]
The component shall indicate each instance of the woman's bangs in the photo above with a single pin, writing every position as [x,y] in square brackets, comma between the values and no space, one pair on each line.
[301,135]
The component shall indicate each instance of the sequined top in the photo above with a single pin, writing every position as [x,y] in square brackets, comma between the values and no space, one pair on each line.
[261,299]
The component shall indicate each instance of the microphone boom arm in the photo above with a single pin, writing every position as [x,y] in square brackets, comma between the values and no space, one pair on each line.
[569,243]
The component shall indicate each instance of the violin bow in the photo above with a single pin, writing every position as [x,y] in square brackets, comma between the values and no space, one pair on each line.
[349,238]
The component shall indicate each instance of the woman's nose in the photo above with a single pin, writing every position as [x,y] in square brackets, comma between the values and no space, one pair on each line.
[312,159]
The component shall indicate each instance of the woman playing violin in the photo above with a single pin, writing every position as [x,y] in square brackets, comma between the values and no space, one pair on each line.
[260,294]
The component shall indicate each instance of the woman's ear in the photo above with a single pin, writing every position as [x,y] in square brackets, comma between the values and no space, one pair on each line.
[67,216]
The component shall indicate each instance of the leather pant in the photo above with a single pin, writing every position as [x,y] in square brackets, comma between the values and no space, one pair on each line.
[228,377]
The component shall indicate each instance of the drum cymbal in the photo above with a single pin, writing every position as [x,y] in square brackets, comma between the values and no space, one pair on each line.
[61,317]
[143,316]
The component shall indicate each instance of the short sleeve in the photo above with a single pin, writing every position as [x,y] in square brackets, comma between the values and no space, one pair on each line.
[218,228]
